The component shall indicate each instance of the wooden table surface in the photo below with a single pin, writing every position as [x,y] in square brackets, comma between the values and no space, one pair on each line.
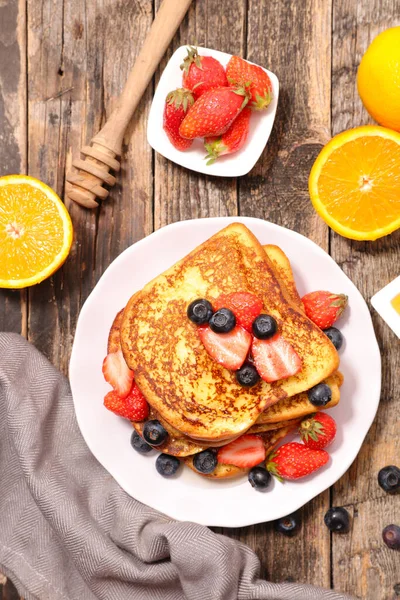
[62,65]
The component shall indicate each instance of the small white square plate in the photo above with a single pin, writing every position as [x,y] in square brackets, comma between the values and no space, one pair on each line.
[231,165]
[382,302]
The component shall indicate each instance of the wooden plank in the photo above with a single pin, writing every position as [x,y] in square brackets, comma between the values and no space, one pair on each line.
[361,562]
[7,589]
[13,133]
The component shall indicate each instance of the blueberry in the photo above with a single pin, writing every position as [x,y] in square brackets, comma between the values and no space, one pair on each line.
[205,462]
[335,336]
[320,394]
[154,433]
[391,536]
[264,327]
[337,519]
[138,443]
[288,525]
[223,321]
[389,478]
[167,465]
[247,375]
[200,311]
[259,478]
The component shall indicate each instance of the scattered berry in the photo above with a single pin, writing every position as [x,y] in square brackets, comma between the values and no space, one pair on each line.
[320,394]
[167,465]
[391,537]
[318,431]
[324,308]
[228,349]
[247,375]
[259,478]
[245,306]
[241,72]
[288,525]
[177,104]
[205,462]
[200,311]
[223,321]
[337,519]
[138,443]
[264,327]
[246,451]
[335,336]
[294,460]
[134,407]
[275,358]
[117,373]
[389,479]
[231,141]
[202,73]
[154,433]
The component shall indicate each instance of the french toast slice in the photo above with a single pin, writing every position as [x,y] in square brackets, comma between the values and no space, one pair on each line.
[284,273]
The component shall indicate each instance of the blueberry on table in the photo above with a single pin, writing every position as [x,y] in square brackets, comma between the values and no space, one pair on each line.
[320,394]
[167,465]
[247,375]
[337,519]
[205,461]
[264,327]
[391,536]
[389,479]
[288,525]
[154,433]
[138,443]
[335,336]
[259,478]
[223,321]
[200,311]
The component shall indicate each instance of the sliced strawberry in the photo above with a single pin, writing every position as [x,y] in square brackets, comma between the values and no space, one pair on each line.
[117,373]
[134,407]
[245,306]
[275,358]
[245,452]
[227,349]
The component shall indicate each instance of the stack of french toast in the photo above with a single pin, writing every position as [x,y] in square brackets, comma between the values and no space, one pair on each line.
[199,402]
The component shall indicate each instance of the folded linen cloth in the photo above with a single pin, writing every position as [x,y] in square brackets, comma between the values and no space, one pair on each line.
[69,532]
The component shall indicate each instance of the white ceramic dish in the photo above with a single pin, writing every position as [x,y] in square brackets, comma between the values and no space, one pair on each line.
[382,302]
[188,496]
[233,165]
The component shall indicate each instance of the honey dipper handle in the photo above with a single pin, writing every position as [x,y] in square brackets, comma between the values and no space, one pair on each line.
[165,24]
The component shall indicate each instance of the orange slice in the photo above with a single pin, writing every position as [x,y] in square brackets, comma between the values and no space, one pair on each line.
[355,183]
[35,231]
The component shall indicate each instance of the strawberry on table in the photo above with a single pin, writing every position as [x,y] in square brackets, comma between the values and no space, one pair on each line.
[177,104]
[244,305]
[214,112]
[324,308]
[318,431]
[294,460]
[117,373]
[228,349]
[275,358]
[241,72]
[202,73]
[245,452]
[232,140]
[134,407]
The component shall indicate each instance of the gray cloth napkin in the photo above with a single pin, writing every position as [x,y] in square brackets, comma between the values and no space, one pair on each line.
[69,532]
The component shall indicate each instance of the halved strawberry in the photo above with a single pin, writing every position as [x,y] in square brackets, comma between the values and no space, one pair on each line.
[275,358]
[134,407]
[245,452]
[117,373]
[245,306]
[227,349]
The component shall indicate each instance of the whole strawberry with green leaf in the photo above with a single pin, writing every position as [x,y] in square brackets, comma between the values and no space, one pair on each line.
[202,73]
[177,104]
[232,140]
[324,308]
[241,72]
[318,431]
[294,460]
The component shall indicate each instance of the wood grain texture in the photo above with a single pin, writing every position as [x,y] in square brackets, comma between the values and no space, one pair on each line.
[361,562]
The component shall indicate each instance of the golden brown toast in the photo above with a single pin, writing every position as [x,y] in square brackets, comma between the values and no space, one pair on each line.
[284,273]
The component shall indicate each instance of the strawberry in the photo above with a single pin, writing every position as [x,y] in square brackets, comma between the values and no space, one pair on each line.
[241,72]
[214,112]
[246,451]
[134,407]
[245,306]
[294,460]
[318,431]
[228,349]
[202,73]
[275,358]
[324,308]
[232,140]
[117,373]
[177,104]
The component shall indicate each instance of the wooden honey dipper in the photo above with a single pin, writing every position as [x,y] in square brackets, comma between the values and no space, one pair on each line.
[86,185]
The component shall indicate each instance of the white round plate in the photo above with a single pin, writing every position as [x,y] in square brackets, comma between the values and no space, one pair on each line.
[188,496]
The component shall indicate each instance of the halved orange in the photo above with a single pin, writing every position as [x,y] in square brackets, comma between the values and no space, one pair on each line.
[35,231]
[355,183]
